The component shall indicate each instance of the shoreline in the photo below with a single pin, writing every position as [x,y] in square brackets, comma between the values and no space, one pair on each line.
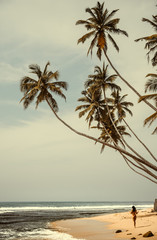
[103,227]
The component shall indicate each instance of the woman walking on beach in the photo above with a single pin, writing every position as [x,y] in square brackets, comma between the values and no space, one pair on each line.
[134,212]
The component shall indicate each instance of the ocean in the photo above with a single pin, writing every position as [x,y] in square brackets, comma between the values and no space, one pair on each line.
[31,220]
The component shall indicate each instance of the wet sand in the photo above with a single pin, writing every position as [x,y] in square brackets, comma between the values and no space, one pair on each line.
[85,228]
[103,227]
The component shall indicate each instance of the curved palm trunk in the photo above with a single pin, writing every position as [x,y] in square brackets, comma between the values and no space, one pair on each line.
[141,167]
[133,89]
[128,161]
[140,140]
[139,160]
[123,140]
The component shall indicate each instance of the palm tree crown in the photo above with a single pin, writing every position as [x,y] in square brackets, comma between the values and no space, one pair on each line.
[151,41]
[101,79]
[42,88]
[151,85]
[120,105]
[101,25]
[93,105]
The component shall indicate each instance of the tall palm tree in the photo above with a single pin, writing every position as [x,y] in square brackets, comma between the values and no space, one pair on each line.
[43,88]
[151,85]
[151,41]
[101,25]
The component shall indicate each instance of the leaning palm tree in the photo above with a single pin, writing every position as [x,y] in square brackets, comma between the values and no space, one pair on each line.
[151,85]
[151,41]
[101,25]
[43,88]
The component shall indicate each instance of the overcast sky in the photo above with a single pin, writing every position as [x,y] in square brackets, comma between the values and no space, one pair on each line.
[40,159]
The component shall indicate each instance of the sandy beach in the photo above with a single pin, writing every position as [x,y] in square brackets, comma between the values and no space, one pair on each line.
[104,226]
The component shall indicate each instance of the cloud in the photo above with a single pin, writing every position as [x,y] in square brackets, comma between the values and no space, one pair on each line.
[38,149]
[9,73]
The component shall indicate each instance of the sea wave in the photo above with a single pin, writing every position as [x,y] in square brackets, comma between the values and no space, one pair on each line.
[37,234]
[71,208]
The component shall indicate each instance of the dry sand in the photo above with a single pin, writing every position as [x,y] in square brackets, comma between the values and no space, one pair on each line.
[103,227]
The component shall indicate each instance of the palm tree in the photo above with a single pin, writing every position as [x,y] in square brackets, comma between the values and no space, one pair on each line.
[93,105]
[102,80]
[42,88]
[119,105]
[151,85]
[151,41]
[101,25]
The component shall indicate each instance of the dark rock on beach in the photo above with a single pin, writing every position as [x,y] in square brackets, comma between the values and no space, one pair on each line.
[148,234]
[118,231]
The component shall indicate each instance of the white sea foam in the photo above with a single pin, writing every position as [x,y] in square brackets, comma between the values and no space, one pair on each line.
[38,234]
[72,208]
[45,234]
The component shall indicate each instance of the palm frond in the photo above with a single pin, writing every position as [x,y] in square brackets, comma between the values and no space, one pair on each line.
[45,69]
[113,42]
[149,96]
[151,75]
[27,83]
[61,84]
[27,100]
[90,12]
[148,38]
[52,102]
[150,119]
[99,52]
[82,113]
[85,37]
[118,31]
[155,131]
[111,15]
[41,97]
[57,91]
[93,43]
[52,75]
[154,25]
[35,69]
[112,23]
[81,22]
[151,85]
[82,107]
[154,59]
